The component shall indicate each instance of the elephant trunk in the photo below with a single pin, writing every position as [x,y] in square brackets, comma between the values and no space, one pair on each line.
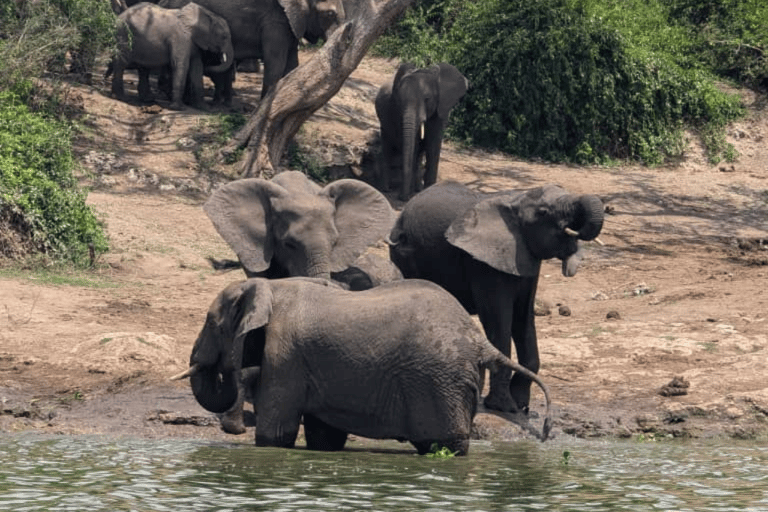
[586,216]
[227,59]
[213,373]
[410,146]
[214,391]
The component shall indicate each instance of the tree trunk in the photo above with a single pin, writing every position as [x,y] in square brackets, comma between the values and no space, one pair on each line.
[307,88]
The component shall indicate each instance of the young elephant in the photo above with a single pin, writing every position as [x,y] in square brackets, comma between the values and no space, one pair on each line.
[151,37]
[399,361]
[413,111]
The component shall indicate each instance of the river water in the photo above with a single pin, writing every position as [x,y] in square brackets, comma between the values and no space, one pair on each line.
[98,473]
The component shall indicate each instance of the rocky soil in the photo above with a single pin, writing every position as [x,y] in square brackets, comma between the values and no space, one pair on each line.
[662,333]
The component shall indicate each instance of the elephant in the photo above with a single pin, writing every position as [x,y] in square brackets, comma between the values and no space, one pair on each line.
[399,361]
[270,30]
[487,250]
[150,37]
[413,111]
[289,226]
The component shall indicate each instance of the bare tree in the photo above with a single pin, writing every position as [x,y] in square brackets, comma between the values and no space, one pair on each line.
[307,88]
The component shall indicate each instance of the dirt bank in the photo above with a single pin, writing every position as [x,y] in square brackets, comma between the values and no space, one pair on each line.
[678,289]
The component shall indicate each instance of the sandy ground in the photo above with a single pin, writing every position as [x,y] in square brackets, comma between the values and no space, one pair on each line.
[677,291]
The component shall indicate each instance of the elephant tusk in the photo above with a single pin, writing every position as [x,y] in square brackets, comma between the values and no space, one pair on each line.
[224,58]
[572,232]
[390,242]
[187,373]
[598,241]
[422,131]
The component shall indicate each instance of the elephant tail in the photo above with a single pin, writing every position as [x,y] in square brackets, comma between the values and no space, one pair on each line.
[498,359]
[224,264]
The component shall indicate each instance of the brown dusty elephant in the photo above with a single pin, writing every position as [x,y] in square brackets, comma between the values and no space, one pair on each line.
[270,30]
[289,226]
[487,251]
[413,111]
[399,361]
[151,37]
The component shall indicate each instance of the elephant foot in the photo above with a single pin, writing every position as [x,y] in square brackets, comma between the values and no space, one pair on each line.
[232,422]
[321,436]
[503,402]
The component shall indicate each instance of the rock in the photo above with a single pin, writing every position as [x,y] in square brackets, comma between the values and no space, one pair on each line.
[541,308]
[613,315]
[564,311]
[676,387]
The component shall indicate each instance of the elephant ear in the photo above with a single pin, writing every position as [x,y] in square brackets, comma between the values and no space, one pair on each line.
[404,69]
[250,308]
[297,12]
[241,213]
[453,86]
[362,216]
[490,232]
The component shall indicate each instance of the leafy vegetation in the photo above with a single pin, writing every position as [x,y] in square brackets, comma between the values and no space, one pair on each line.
[589,81]
[42,209]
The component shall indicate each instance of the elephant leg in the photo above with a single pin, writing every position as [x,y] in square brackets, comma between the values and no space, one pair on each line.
[195,80]
[118,88]
[223,91]
[280,55]
[321,436]
[180,68]
[526,343]
[433,140]
[145,91]
[492,300]
[232,420]
[276,426]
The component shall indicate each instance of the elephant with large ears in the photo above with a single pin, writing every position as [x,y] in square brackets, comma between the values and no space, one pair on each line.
[152,37]
[413,111]
[399,361]
[289,226]
[487,251]
[270,30]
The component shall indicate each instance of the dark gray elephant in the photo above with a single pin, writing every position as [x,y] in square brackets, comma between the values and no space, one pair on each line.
[289,226]
[487,251]
[413,111]
[270,30]
[399,361]
[151,37]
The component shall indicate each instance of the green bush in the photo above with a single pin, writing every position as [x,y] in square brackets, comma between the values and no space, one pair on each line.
[571,80]
[39,197]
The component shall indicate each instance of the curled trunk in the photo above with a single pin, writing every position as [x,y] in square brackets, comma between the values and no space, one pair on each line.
[227,58]
[586,214]
[213,390]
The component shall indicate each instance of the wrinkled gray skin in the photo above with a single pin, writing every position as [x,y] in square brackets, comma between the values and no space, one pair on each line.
[289,226]
[487,251]
[399,361]
[151,37]
[416,98]
[270,30]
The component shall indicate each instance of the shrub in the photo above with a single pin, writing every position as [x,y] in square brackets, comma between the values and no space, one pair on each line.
[576,80]
[41,205]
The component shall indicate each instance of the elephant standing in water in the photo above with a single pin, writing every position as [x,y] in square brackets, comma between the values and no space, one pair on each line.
[342,361]
[151,37]
[487,251]
[413,111]
[289,226]
[270,30]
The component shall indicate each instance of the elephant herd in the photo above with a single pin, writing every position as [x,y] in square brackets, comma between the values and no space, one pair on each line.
[322,331]
[351,343]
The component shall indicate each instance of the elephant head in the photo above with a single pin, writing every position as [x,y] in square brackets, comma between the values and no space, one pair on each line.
[544,223]
[293,227]
[217,355]
[210,33]
[313,19]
